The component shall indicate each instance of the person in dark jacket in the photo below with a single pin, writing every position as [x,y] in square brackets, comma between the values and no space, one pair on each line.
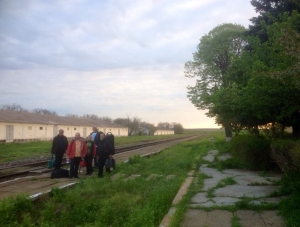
[59,147]
[91,152]
[103,153]
[93,135]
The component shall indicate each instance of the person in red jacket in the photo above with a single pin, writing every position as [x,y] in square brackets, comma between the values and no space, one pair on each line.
[76,151]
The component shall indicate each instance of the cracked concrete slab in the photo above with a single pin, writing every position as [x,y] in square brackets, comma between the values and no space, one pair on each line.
[210,155]
[224,157]
[250,218]
[200,198]
[248,184]
[225,201]
[248,180]
[200,218]
[238,191]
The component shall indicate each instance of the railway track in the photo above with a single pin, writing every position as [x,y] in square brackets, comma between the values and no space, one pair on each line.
[35,168]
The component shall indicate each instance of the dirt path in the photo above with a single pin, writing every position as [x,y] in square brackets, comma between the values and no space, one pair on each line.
[223,190]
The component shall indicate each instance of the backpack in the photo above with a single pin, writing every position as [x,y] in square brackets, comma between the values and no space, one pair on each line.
[110,138]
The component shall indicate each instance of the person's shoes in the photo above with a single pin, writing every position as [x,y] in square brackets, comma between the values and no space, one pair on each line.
[70,177]
[76,177]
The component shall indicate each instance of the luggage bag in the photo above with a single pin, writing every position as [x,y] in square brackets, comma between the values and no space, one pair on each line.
[51,163]
[60,173]
[110,163]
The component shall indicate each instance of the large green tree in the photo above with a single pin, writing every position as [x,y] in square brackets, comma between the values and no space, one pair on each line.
[266,79]
[269,11]
[211,67]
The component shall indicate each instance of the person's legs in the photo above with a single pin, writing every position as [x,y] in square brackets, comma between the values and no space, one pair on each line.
[96,164]
[101,163]
[58,159]
[76,165]
[72,165]
[89,164]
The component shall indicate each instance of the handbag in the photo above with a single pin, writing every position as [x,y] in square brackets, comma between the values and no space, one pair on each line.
[82,163]
[51,163]
[110,163]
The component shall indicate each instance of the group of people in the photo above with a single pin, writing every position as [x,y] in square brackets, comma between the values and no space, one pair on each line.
[94,147]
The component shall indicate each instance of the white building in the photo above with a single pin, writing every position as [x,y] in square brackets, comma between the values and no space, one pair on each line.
[162,131]
[24,126]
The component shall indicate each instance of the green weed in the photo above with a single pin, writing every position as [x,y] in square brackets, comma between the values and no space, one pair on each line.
[235,221]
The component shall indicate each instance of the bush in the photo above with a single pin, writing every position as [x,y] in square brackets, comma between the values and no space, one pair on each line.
[287,155]
[252,152]
[14,211]
[289,208]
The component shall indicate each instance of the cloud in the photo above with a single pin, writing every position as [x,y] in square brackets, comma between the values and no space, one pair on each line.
[107,57]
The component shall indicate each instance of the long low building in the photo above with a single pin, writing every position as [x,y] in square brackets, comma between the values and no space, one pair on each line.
[163,131]
[25,126]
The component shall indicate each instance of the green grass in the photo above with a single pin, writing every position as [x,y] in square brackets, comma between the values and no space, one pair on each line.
[235,221]
[201,130]
[18,151]
[126,140]
[102,202]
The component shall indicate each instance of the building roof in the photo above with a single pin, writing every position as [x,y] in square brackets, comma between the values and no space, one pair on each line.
[165,129]
[35,118]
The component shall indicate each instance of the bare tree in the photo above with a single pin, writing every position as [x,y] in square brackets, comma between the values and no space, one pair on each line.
[131,123]
[164,125]
[13,107]
[146,128]
[178,128]
[44,111]
[107,119]
[72,115]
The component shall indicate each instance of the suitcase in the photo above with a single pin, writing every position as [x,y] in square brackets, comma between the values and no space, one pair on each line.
[51,163]
[60,173]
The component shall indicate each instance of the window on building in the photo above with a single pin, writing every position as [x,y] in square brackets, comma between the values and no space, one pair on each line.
[41,128]
[74,129]
[29,127]
[67,128]
[110,129]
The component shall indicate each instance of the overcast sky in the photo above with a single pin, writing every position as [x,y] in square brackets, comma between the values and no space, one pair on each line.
[108,57]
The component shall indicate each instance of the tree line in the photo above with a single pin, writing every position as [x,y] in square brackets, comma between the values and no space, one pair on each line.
[250,78]
[134,124]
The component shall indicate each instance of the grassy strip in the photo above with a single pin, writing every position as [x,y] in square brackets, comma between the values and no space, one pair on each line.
[289,208]
[102,202]
[19,151]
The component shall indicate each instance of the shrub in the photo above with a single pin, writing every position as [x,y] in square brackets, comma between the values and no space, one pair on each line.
[289,208]
[287,155]
[252,152]
[14,211]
